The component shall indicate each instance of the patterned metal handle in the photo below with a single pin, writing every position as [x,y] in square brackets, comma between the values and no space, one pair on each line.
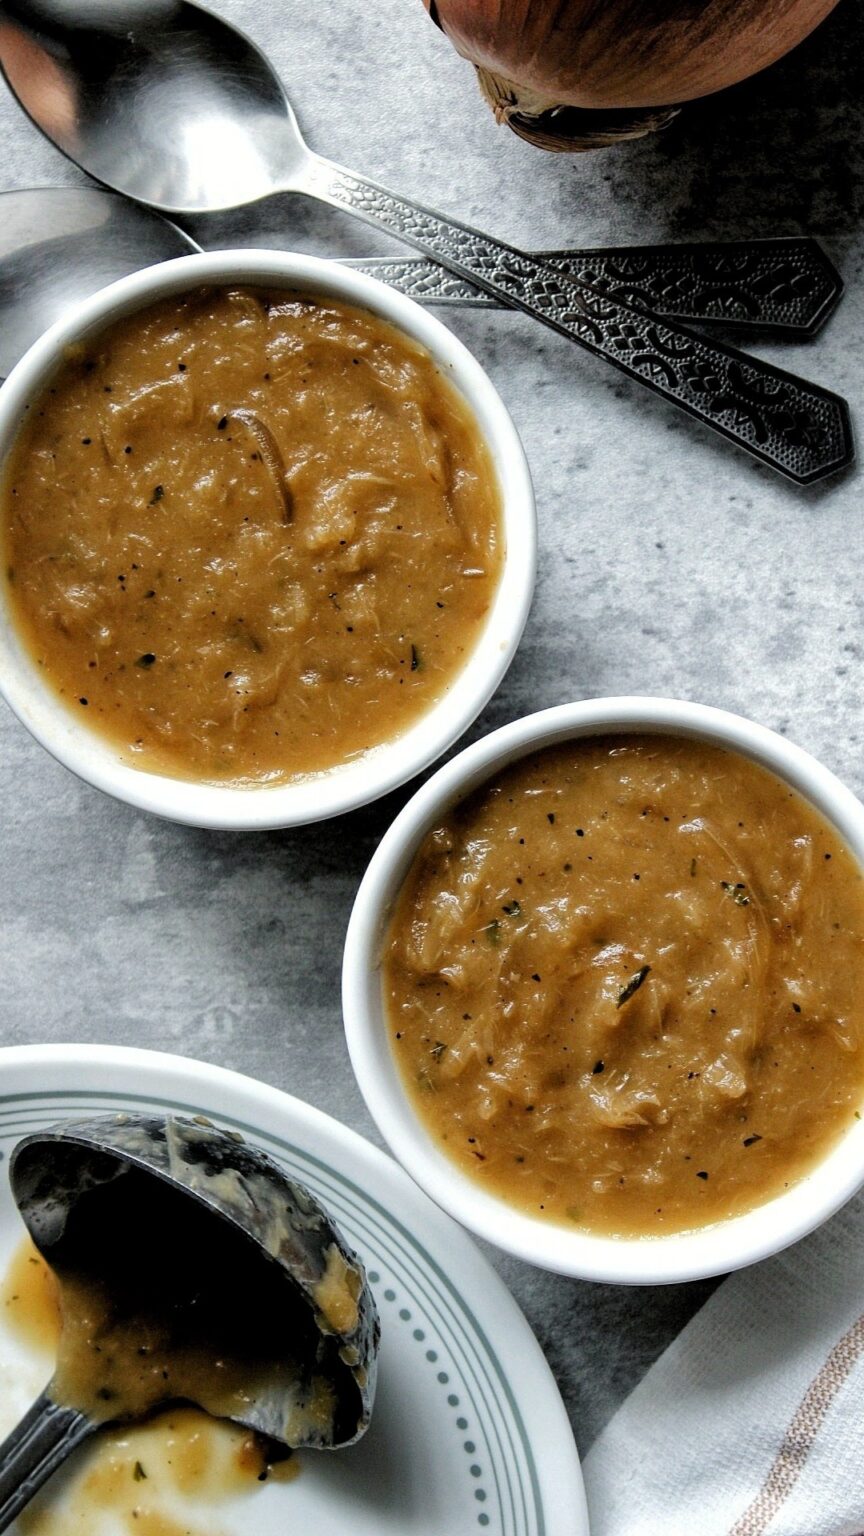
[797,428]
[36,1447]
[787,286]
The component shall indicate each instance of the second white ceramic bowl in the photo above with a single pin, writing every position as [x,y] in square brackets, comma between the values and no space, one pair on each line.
[689,1255]
[352,784]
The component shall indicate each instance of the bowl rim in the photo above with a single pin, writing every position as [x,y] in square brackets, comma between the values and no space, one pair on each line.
[346,787]
[691,1255]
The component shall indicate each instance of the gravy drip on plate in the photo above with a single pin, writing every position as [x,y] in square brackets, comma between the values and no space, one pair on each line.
[162,1478]
[625,985]
[250,535]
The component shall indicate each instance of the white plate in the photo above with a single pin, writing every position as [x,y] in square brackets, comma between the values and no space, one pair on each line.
[469,1433]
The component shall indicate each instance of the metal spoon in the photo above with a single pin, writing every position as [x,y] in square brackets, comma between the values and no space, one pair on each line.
[58,245]
[182,1230]
[163,101]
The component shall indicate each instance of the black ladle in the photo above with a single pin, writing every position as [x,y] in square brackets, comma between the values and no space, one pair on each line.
[179,1220]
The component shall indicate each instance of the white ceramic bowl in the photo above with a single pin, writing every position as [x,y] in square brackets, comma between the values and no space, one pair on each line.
[690,1255]
[382,769]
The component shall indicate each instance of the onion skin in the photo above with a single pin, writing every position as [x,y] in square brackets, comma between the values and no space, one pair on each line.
[623,53]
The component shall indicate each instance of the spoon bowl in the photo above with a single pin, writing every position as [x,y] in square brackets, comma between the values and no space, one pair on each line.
[179,110]
[59,245]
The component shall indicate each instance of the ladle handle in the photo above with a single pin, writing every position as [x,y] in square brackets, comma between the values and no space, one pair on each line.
[787,286]
[796,427]
[37,1446]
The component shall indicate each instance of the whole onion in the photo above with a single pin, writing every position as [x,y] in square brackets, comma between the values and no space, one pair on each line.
[548,66]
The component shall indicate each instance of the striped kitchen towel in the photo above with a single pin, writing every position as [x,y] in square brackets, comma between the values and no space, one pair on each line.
[752,1422]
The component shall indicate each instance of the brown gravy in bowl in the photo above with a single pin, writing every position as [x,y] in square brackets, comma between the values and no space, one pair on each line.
[625,985]
[250,535]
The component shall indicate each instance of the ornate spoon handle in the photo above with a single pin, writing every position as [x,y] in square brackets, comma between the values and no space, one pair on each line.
[796,427]
[786,285]
[46,1435]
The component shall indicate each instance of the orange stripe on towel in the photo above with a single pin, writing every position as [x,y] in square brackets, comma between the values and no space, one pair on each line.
[799,1438]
